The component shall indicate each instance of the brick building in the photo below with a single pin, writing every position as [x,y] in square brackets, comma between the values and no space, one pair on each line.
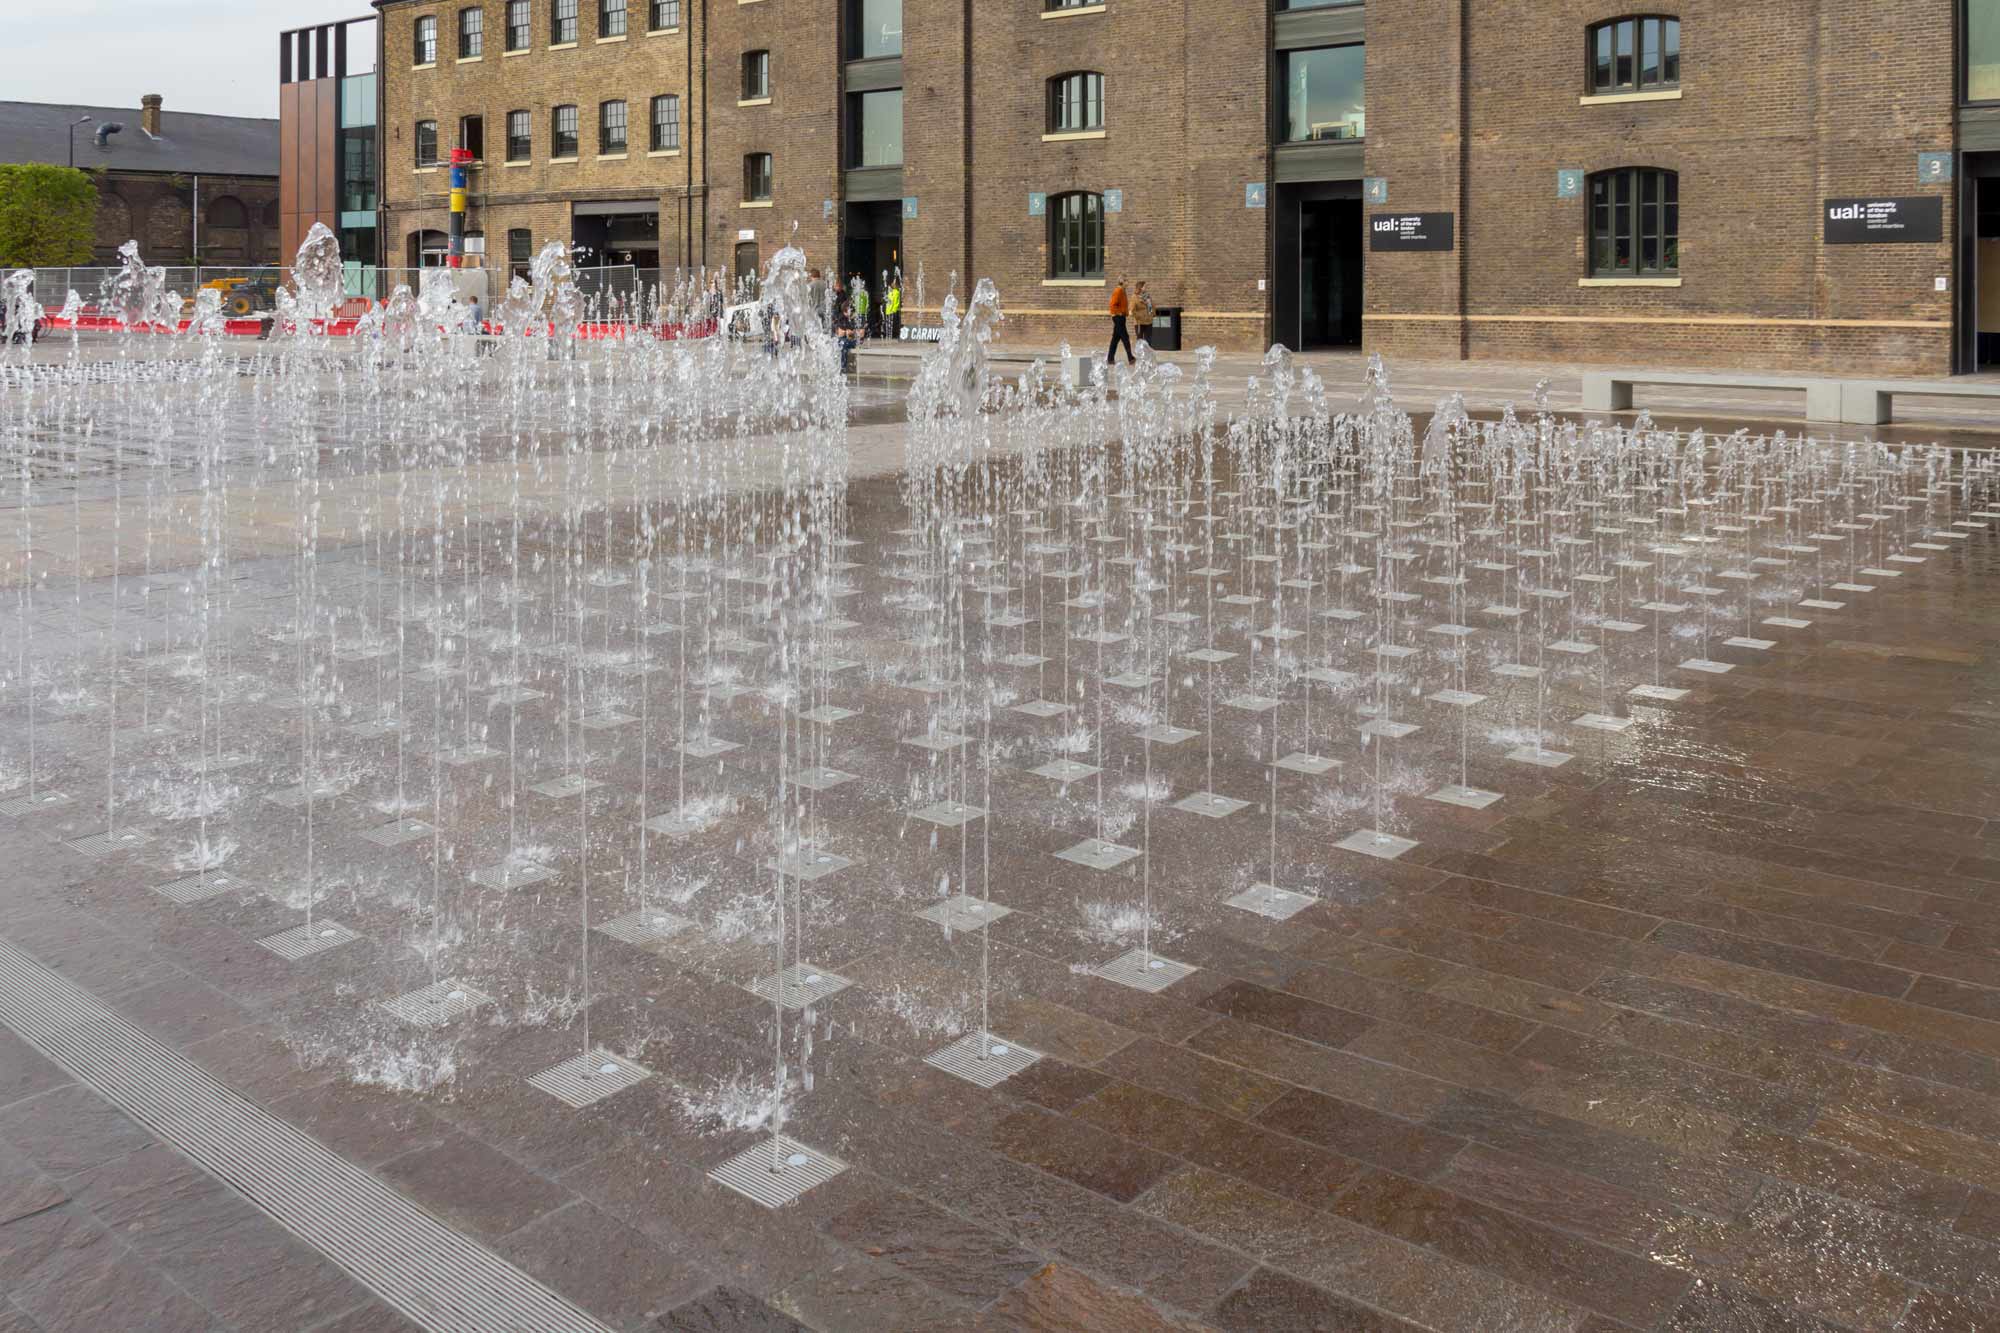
[1532,179]
[190,188]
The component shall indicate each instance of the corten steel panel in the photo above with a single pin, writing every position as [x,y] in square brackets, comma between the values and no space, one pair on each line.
[327,155]
[288,151]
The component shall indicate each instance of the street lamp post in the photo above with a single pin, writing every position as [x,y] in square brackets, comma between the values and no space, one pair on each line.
[82,120]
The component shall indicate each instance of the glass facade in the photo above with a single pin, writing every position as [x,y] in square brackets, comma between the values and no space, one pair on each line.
[1982,50]
[1323,95]
[877,122]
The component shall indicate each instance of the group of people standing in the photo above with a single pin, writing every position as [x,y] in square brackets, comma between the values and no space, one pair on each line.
[1137,308]
[851,310]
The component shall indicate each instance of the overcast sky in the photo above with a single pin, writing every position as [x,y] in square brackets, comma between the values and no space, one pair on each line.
[218,56]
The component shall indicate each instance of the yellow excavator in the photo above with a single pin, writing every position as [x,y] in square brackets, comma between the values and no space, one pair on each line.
[245,296]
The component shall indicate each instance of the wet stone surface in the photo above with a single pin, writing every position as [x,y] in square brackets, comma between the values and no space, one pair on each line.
[1699,1030]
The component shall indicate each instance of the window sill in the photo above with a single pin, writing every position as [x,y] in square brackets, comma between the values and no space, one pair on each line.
[1628,282]
[1072,282]
[562,46]
[517,164]
[1073,12]
[662,32]
[425,171]
[1612,99]
[558,161]
[468,60]
[612,157]
[753,101]
[509,55]
[664,152]
[755,203]
[606,41]
[415,68]
[1073,136]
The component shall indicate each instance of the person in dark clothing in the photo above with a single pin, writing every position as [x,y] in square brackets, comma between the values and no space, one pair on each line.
[1121,307]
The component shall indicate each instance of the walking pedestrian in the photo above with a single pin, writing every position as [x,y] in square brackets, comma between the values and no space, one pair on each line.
[1142,313]
[1121,306]
[892,305]
[816,297]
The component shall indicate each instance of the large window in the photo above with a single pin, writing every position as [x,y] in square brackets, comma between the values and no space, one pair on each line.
[562,21]
[610,18]
[518,22]
[664,14]
[427,143]
[1635,55]
[757,178]
[471,33]
[1982,50]
[666,123]
[1635,223]
[1323,93]
[1076,236]
[876,29]
[520,254]
[875,128]
[1076,102]
[426,47]
[520,136]
[756,75]
[611,127]
[562,132]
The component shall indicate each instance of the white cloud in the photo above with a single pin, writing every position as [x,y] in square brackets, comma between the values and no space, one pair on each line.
[214,56]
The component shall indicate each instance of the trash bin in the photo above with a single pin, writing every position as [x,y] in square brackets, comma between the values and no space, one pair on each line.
[1167,328]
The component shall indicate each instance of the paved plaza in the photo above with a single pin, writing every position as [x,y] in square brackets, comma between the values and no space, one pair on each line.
[1324,880]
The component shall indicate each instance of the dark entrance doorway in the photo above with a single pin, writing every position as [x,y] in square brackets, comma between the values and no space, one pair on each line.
[873,248]
[618,240]
[1330,273]
[1983,279]
[746,260]
[1318,269]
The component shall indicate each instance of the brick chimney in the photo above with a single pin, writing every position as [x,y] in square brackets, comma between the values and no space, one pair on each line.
[149,113]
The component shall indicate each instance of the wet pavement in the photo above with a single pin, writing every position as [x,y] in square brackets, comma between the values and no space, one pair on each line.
[1696,1029]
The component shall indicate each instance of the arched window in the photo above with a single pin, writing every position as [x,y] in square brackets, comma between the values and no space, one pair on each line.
[227,212]
[1641,54]
[1076,236]
[424,46]
[1635,223]
[1076,102]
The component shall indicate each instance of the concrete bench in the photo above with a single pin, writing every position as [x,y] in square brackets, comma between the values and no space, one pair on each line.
[1611,390]
[1871,402]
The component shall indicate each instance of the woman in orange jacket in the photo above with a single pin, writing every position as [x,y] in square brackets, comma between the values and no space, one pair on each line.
[1121,306]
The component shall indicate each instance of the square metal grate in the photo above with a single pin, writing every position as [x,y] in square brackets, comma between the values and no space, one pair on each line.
[1471,798]
[1665,694]
[776,1171]
[821,779]
[1162,733]
[589,1077]
[1209,803]
[1065,770]
[800,985]
[645,926]
[808,863]
[27,805]
[1143,971]
[1250,703]
[711,747]
[1374,842]
[1704,664]
[938,741]
[948,814]
[303,941]
[1096,854]
[1541,758]
[110,842]
[1307,765]
[199,888]
[1602,722]
[1268,900]
[397,832]
[678,824]
[436,1005]
[981,1058]
[1039,708]
[509,875]
[1754,645]
[569,784]
[963,912]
